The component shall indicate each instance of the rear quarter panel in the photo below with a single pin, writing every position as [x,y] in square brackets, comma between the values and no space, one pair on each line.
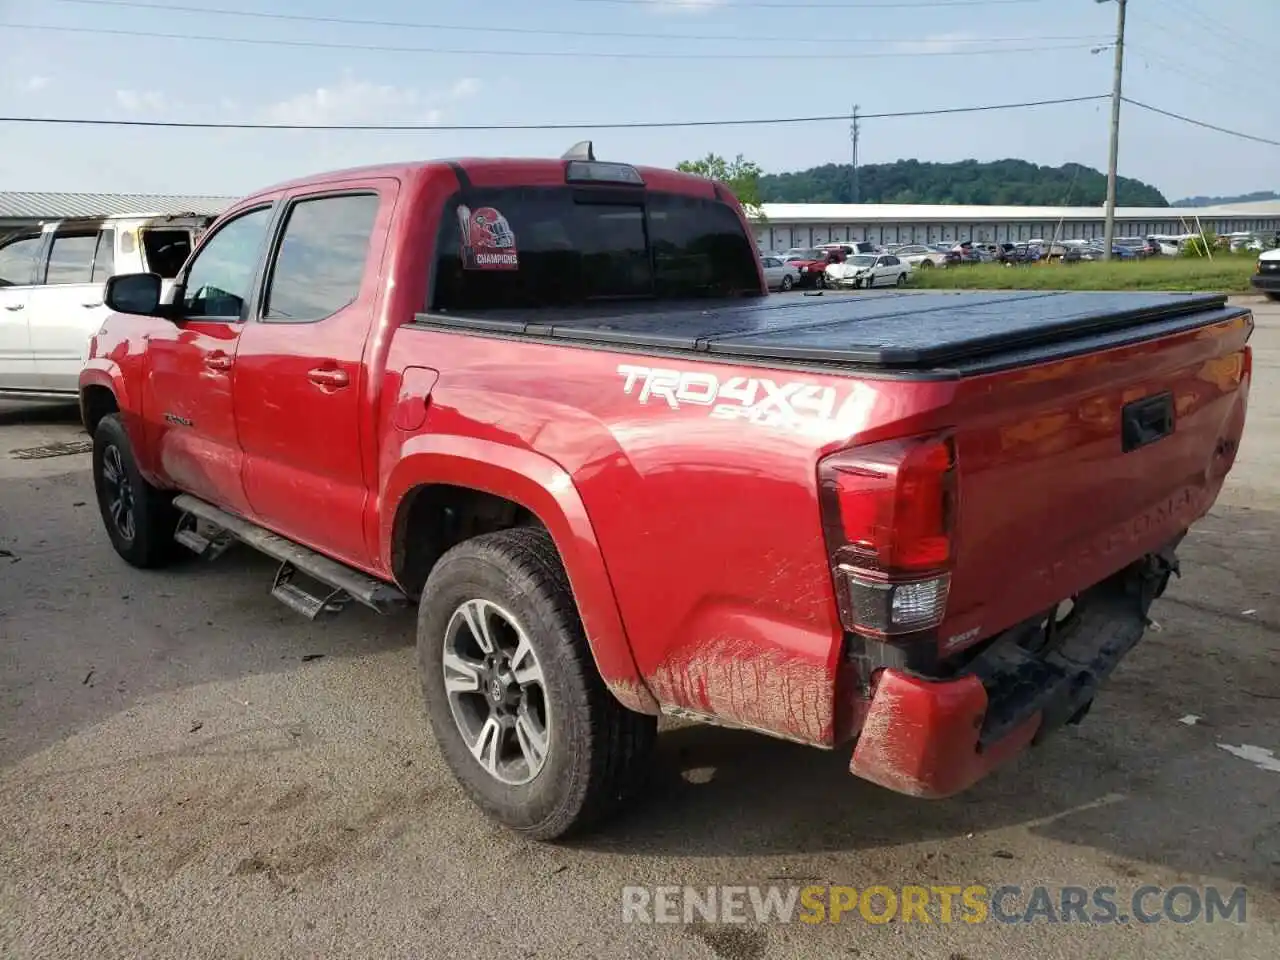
[708,527]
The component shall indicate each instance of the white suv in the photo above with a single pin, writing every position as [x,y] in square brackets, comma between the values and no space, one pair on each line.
[51,284]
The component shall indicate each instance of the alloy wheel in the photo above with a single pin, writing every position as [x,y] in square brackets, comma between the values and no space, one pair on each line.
[118,492]
[497,692]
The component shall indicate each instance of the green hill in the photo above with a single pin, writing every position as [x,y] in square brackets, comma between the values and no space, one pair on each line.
[1226,201]
[1002,182]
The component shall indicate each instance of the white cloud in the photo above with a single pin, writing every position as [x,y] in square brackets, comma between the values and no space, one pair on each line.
[938,43]
[35,84]
[685,6]
[352,101]
[466,87]
[138,101]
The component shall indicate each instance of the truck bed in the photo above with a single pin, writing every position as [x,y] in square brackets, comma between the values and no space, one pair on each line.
[956,332]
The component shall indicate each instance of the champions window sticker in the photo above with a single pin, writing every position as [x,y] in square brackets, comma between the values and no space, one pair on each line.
[488,242]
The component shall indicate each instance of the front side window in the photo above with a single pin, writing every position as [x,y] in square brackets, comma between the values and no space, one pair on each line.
[71,258]
[18,260]
[320,263]
[220,279]
[534,247]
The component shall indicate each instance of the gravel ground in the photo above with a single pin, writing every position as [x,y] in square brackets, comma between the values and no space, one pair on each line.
[190,770]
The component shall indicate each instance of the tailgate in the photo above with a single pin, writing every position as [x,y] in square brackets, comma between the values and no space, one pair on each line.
[1071,469]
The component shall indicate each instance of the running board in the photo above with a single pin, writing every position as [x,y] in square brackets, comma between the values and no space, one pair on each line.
[346,583]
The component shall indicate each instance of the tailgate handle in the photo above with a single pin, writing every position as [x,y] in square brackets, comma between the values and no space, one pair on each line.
[1147,420]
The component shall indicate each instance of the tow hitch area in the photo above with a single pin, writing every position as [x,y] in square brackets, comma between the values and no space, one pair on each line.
[344,583]
[934,738]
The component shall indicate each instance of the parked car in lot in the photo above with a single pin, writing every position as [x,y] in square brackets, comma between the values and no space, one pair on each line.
[919,257]
[1023,253]
[778,274]
[1135,245]
[869,270]
[614,493]
[811,265]
[51,283]
[1266,275]
[849,247]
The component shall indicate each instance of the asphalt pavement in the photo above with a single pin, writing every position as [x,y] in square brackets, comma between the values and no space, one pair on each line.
[188,769]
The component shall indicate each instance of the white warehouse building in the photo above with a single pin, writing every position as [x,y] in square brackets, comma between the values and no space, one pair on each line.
[788,225]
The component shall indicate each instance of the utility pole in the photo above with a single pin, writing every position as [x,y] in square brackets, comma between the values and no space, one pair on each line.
[1109,233]
[853,140]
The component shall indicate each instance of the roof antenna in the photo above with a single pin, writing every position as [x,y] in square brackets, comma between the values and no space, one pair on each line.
[582,150]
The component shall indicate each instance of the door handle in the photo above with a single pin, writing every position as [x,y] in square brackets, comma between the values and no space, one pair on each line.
[90,306]
[15,306]
[218,361]
[328,377]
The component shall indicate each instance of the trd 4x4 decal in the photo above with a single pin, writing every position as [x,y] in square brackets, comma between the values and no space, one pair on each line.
[757,400]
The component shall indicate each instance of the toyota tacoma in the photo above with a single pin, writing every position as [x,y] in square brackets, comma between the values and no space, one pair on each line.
[549,403]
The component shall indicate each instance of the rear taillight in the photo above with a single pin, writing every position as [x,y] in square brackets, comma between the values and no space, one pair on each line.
[889,514]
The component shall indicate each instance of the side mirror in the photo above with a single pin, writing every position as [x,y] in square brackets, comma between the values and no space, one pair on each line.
[133,293]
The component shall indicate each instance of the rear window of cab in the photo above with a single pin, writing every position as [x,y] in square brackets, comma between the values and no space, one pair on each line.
[532,247]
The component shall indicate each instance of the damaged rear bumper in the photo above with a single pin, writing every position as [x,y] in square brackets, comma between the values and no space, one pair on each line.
[932,738]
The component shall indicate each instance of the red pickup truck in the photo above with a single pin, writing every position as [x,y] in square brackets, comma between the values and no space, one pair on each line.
[550,403]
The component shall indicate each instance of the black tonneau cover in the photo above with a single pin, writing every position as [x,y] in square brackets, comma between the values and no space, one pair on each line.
[898,331]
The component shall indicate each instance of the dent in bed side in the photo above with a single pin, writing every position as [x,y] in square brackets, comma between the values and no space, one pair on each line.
[544,489]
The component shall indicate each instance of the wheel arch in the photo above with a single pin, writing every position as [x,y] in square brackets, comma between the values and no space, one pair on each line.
[494,486]
[98,398]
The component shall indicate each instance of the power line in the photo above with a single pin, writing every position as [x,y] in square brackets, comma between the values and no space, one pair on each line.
[826,39]
[1211,26]
[1202,84]
[638,125]
[1201,123]
[556,54]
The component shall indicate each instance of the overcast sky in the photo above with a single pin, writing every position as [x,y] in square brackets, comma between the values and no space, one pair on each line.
[737,59]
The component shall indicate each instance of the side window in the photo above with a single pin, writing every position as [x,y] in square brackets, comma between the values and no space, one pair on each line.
[71,258]
[18,261]
[320,263]
[104,258]
[218,282]
[165,250]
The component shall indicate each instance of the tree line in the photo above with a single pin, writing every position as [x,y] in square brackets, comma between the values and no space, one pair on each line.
[1001,182]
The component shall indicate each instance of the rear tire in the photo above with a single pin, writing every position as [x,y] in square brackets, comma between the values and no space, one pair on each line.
[1273,296]
[140,519]
[926,264]
[902,279]
[786,283]
[561,753]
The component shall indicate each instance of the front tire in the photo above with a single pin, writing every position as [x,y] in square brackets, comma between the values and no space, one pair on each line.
[1271,295]
[140,519]
[521,715]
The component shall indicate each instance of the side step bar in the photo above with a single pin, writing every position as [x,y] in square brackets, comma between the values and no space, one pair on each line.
[346,583]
